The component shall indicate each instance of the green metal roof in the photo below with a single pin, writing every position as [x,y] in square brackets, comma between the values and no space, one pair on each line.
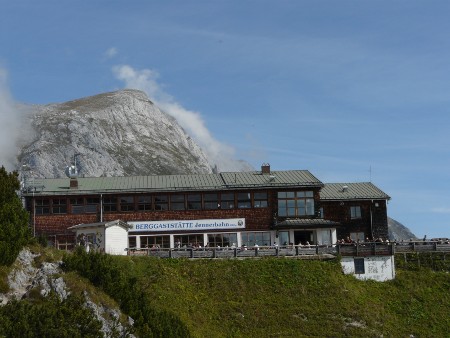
[163,183]
[351,191]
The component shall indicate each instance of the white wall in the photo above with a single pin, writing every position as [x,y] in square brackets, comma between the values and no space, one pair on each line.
[116,240]
[379,268]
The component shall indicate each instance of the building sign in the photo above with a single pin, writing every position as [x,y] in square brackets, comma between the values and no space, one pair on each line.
[188,225]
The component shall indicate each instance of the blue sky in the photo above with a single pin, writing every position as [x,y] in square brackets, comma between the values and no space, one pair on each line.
[351,90]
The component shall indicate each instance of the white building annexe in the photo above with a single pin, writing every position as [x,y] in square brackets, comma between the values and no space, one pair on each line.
[109,237]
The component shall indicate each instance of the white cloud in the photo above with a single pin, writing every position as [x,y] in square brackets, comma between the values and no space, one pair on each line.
[441,210]
[10,124]
[111,52]
[146,80]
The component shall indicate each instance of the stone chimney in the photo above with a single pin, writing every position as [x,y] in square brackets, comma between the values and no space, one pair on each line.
[265,169]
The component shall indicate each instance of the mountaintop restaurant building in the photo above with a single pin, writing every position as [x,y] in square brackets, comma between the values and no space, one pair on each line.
[217,210]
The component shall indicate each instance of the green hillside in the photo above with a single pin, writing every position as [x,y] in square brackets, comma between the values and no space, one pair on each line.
[270,297]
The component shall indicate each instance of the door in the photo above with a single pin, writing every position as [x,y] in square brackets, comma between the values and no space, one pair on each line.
[301,237]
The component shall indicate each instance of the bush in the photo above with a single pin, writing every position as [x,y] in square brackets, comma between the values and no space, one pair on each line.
[103,272]
[14,231]
[49,318]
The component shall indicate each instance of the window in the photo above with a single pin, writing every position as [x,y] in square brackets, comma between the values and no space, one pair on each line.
[260,200]
[161,202]
[144,203]
[189,241]
[211,201]
[355,212]
[59,206]
[155,242]
[77,205]
[132,242]
[177,202]
[194,201]
[283,238]
[92,204]
[321,214]
[357,236]
[244,200]
[222,240]
[126,203]
[359,266]
[255,238]
[295,203]
[227,201]
[109,203]
[42,206]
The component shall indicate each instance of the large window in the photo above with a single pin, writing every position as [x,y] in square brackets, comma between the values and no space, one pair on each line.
[144,203]
[222,240]
[109,203]
[227,201]
[283,238]
[177,202]
[59,205]
[211,201]
[260,200]
[244,200]
[355,212]
[161,202]
[194,201]
[154,242]
[188,241]
[77,205]
[42,206]
[126,203]
[357,236]
[255,238]
[132,242]
[92,204]
[295,203]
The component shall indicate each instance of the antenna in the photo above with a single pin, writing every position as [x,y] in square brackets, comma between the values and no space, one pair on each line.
[370,174]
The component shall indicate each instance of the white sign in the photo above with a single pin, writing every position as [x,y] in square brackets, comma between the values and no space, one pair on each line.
[188,225]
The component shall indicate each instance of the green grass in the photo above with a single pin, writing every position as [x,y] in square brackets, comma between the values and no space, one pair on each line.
[277,297]
[292,298]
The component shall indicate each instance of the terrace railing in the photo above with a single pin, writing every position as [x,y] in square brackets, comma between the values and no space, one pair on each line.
[352,249]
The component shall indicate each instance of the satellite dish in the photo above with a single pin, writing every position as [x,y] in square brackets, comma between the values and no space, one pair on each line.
[71,171]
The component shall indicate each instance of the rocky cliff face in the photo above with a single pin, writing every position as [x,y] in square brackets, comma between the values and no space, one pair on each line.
[398,231]
[115,134]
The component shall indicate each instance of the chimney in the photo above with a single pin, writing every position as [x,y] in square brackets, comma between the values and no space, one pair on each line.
[73,183]
[265,169]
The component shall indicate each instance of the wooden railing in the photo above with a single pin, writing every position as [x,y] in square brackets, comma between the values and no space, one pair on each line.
[356,249]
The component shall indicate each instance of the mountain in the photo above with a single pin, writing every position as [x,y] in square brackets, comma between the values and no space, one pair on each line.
[398,231]
[120,133]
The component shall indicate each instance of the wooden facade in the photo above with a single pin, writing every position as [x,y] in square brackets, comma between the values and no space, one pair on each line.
[265,201]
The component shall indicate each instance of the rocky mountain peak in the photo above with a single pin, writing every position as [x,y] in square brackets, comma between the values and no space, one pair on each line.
[119,133]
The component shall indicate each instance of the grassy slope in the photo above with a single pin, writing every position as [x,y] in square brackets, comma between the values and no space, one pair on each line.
[291,298]
[273,297]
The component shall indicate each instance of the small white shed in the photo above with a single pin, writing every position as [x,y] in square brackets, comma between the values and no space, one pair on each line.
[378,268]
[109,237]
